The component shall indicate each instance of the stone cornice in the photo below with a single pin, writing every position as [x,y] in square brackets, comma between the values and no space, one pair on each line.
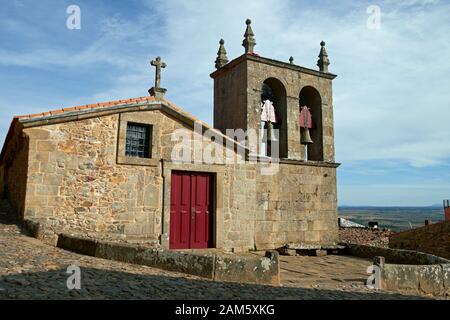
[272,62]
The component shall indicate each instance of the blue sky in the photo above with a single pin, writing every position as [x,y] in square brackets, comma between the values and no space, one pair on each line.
[391,97]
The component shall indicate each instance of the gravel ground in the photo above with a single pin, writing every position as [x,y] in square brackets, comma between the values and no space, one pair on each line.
[368,237]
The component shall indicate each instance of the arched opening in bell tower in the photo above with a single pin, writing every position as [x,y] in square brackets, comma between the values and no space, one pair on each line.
[274,91]
[311,98]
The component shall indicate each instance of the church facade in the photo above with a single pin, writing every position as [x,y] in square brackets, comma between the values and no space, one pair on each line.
[144,168]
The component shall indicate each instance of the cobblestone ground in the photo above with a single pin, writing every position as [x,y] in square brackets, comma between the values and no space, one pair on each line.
[30,269]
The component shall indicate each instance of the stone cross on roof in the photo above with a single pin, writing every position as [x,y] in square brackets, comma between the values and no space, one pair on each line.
[157,91]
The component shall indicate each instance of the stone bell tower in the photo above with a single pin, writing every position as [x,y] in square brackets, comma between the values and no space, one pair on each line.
[240,85]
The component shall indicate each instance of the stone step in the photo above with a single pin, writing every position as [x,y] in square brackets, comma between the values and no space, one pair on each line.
[292,249]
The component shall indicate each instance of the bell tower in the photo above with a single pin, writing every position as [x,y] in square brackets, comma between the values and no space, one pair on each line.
[242,85]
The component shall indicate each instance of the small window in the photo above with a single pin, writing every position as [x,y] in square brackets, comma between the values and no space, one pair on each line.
[138,143]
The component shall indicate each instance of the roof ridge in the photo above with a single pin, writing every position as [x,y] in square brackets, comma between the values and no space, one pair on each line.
[88,106]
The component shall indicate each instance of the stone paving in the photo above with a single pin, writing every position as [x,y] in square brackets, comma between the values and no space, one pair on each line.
[330,272]
[30,269]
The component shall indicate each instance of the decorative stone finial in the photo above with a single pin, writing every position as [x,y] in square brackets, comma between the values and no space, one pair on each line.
[291,60]
[249,40]
[323,61]
[222,58]
[157,91]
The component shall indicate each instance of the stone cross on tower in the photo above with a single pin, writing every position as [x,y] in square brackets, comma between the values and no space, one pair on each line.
[157,91]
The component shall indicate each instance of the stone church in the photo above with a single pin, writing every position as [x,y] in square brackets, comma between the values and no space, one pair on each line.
[109,168]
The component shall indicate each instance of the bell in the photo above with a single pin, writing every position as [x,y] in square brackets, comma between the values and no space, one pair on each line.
[305,137]
[269,133]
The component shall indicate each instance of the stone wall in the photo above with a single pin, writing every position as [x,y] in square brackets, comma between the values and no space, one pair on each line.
[230,95]
[78,179]
[15,166]
[296,205]
[74,178]
[2,181]
[394,256]
[434,239]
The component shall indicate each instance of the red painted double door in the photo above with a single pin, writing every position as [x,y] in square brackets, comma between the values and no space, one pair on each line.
[191,210]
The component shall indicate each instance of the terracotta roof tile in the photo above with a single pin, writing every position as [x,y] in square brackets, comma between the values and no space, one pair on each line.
[88,106]
[69,109]
[57,111]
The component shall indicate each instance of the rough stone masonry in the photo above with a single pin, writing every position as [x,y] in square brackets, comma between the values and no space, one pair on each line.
[70,168]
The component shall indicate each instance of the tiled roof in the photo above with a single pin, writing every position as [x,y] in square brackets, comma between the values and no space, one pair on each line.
[96,106]
[88,106]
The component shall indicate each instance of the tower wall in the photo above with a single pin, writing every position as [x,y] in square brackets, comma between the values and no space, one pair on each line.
[230,98]
[237,99]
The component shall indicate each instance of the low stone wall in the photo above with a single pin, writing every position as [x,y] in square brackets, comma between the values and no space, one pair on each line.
[396,256]
[424,279]
[434,239]
[216,266]
[409,271]
[242,268]
[41,231]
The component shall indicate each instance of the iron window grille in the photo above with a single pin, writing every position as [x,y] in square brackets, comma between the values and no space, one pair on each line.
[138,142]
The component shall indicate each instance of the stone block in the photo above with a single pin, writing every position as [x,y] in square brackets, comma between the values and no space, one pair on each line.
[47,167]
[147,257]
[446,277]
[52,179]
[33,167]
[431,279]
[36,200]
[38,134]
[78,245]
[197,264]
[46,146]
[152,197]
[47,190]
[312,236]
[35,178]
[287,252]
[320,253]
[117,252]
[401,277]
[68,147]
[248,269]
[41,156]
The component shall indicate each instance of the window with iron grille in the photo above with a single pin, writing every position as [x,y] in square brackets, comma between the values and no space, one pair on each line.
[138,143]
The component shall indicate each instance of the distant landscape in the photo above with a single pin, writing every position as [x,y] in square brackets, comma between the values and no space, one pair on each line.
[394,218]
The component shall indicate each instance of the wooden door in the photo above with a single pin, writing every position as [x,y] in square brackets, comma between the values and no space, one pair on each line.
[191,210]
